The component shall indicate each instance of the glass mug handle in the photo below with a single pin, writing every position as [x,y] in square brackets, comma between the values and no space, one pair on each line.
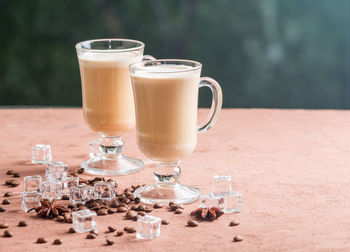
[148,57]
[216,102]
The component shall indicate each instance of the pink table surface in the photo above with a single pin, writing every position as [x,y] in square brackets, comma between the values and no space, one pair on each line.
[292,166]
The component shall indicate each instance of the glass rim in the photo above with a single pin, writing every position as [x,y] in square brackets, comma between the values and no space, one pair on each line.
[140,66]
[79,47]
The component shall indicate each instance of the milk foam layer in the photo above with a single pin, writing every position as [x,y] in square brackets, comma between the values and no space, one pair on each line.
[116,59]
[164,71]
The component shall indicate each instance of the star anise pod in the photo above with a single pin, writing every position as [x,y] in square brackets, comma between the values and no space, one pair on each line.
[49,209]
[207,213]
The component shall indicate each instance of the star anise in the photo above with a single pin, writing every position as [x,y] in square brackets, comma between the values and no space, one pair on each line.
[207,213]
[49,209]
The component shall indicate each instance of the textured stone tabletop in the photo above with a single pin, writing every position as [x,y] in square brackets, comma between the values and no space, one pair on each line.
[292,166]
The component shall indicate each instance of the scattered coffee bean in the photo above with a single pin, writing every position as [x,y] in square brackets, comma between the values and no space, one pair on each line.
[8,233]
[8,194]
[90,236]
[112,210]
[4,225]
[10,172]
[15,184]
[192,223]
[60,219]
[57,242]
[157,205]
[2,209]
[122,210]
[65,197]
[148,210]
[102,211]
[137,200]
[171,203]
[131,215]
[71,230]
[111,229]
[80,171]
[165,222]
[178,211]
[94,231]
[41,240]
[119,233]
[141,213]
[109,242]
[173,207]
[9,181]
[16,175]
[237,238]
[131,230]
[22,224]
[5,202]
[234,223]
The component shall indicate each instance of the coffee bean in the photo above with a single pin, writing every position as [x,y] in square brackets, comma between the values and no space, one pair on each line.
[4,225]
[157,205]
[192,223]
[94,231]
[141,213]
[109,242]
[71,230]
[122,210]
[237,238]
[60,219]
[10,172]
[173,207]
[171,203]
[16,175]
[22,224]
[126,229]
[234,223]
[65,197]
[178,211]
[41,240]
[102,211]
[57,242]
[80,171]
[8,194]
[15,184]
[5,202]
[165,222]
[131,215]
[111,229]
[148,209]
[112,210]
[9,181]
[90,236]
[137,200]
[8,233]
[119,233]
[131,230]
[2,209]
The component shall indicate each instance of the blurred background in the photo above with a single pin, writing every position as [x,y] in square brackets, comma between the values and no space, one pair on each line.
[264,53]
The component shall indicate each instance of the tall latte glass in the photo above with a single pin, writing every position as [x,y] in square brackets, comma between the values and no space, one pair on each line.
[108,102]
[166,104]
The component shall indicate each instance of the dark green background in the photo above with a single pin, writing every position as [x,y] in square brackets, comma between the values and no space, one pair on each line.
[264,53]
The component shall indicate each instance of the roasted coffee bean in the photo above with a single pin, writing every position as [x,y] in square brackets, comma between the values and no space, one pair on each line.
[111,229]
[94,231]
[8,194]
[102,211]
[57,242]
[119,233]
[109,242]
[171,203]
[60,219]
[141,207]
[71,230]
[137,200]
[148,209]
[130,230]
[15,184]
[98,179]
[131,215]
[157,205]
[173,207]
[8,233]
[65,197]
[16,175]
[41,240]
[112,210]
[165,222]
[126,229]
[2,209]
[134,208]
[237,238]
[9,181]
[22,224]
[5,202]
[114,203]
[70,205]
[122,210]
[178,211]
[141,213]
[234,223]
[10,172]
[80,171]
[4,225]
[90,236]
[192,223]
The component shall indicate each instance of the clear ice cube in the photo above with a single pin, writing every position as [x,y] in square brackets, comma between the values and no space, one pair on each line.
[148,227]
[221,186]
[84,221]
[41,154]
[209,200]
[56,171]
[32,183]
[68,183]
[80,194]
[30,200]
[233,203]
[104,190]
[51,189]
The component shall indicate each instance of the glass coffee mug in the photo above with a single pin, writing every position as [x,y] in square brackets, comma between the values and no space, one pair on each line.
[166,104]
[108,102]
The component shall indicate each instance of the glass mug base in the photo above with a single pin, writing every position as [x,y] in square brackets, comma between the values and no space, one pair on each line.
[121,165]
[163,194]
